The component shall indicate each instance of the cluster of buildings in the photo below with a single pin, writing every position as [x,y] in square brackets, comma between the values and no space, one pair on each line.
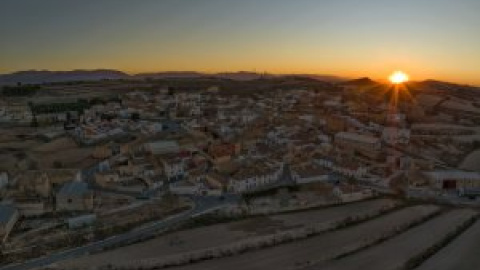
[211,143]
[15,113]
[33,194]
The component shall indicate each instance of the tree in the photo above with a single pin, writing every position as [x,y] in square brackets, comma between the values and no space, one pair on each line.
[33,165]
[135,116]
[20,155]
[34,121]
[57,164]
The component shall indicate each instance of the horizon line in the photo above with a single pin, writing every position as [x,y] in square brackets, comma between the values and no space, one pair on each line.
[130,73]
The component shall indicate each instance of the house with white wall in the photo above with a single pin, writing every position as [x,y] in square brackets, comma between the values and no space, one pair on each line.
[394,135]
[250,181]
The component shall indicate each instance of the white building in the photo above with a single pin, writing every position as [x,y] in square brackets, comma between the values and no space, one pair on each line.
[394,135]
[253,182]
[357,141]
[81,221]
[396,117]
[185,188]
[154,128]
[349,172]
[448,179]
[162,147]
[174,168]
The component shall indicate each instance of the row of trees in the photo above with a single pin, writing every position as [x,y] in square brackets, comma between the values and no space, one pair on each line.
[79,106]
[21,90]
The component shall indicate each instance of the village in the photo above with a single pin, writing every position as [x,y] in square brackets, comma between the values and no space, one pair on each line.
[85,167]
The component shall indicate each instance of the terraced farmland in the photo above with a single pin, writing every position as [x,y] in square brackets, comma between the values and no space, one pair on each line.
[221,234]
[460,254]
[321,247]
[378,235]
[396,252]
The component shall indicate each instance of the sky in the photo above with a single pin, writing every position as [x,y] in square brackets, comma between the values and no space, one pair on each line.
[428,39]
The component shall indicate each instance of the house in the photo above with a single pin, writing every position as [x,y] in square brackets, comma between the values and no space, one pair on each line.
[309,174]
[154,128]
[74,196]
[30,207]
[173,167]
[185,188]
[132,167]
[394,135]
[347,169]
[8,217]
[17,113]
[35,183]
[221,153]
[162,147]
[254,178]
[453,180]
[3,180]
[81,221]
[350,193]
[105,178]
[104,166]
[336,123]
[440,129]
[395,117]
[215,180]
[247,115]
[105,151]
[357,141]
[196,175]
[60,176]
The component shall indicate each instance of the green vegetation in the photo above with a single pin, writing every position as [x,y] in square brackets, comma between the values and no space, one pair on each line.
[78,106]
[135,116]
[21,90]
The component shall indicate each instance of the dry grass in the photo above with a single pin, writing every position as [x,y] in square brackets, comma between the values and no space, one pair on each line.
[56,145]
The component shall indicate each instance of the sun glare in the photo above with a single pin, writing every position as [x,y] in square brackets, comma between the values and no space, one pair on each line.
[398,77]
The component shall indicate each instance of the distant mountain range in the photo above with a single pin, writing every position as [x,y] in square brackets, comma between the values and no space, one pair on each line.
[365,81]
[46,76]
[439,85]
[241,75]
[43,76]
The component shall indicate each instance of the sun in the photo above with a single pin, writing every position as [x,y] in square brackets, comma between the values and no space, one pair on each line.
[398,77]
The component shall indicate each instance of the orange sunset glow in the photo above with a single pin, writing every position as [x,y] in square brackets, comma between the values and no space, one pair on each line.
[240,134]
[398,77]
[278,37]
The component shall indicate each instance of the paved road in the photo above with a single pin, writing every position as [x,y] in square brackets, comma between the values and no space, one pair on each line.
[202,205]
